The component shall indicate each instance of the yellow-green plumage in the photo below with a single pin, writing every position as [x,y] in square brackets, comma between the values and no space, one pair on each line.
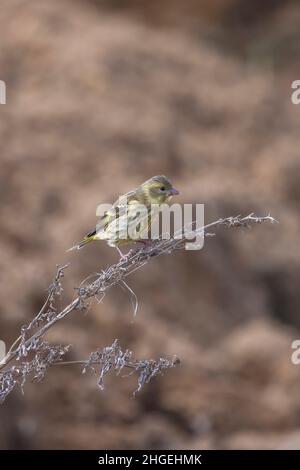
[126,213]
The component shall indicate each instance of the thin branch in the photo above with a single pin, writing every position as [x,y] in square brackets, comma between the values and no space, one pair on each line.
[30,342]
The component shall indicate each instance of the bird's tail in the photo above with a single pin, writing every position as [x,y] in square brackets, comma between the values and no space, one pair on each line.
[81,244]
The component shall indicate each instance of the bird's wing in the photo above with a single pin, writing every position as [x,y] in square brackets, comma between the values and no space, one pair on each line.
[128,223]
[113,223]
[101,224]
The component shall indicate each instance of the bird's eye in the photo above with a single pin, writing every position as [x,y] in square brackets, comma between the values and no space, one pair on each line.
[162,188]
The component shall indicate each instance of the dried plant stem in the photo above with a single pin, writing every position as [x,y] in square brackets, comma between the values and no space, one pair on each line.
[32,335]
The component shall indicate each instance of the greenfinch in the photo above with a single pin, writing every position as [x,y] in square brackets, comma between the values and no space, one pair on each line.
[129,218]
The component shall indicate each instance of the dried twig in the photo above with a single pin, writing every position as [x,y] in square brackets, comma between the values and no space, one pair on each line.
[31,341]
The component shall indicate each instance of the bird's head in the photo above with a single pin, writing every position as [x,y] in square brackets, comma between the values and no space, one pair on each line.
[159,190]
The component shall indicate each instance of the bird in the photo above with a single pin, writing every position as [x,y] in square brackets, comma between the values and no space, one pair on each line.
[129,218]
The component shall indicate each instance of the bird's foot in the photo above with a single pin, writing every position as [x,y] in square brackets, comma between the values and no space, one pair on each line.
[146,244]
[125,256]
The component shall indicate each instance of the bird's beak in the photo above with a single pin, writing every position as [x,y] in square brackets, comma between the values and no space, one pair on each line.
[174,192]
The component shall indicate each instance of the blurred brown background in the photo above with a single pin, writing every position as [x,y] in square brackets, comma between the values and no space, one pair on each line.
[101,95]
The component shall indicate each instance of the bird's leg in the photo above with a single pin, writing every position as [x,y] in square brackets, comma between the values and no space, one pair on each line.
[124,257]
[147,243]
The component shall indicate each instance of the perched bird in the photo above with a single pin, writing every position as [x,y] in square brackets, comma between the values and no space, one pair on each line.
[129,218]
